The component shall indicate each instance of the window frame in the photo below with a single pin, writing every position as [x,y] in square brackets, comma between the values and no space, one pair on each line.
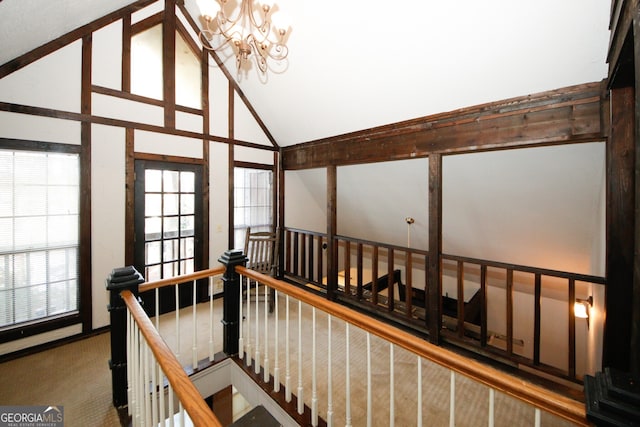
[232,197]
[38,326]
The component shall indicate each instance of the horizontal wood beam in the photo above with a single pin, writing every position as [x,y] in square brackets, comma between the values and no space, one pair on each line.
[567,115]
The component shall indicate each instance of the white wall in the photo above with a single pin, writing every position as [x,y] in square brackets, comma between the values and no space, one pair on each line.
[305,199]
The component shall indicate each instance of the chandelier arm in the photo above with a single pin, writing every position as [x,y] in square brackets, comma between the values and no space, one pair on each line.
[206,36]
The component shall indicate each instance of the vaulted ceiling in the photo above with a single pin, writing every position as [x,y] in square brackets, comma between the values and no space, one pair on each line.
[360,64]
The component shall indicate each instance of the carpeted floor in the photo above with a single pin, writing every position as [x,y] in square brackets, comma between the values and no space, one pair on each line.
[74,375]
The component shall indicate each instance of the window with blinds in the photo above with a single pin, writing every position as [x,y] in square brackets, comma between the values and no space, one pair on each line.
[39,235]
[253,201]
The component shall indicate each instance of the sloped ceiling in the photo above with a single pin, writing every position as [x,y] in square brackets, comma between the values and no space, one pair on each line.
[359,64]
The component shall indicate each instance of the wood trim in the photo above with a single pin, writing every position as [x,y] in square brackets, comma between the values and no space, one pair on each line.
[332,228]
[68,115]
[39,327]
[635,305]
[169,63]
[434,267]
[130,210]
[251,165]
[18,144]
[532,394]
[620,219]
[85,261]
[230,163]
[206,158]
[620,26]
[126,55]
[567,115]
[167,158]
[182,386]
[147,23]
[143,99]
[39,52]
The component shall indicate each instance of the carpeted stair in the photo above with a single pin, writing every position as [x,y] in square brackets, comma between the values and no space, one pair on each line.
[613,398]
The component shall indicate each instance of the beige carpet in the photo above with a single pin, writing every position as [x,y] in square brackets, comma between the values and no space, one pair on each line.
[74,375]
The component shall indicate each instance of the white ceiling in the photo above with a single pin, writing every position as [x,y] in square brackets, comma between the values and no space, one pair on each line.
[359,64]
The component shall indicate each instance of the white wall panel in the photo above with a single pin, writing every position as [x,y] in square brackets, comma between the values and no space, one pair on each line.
[305,199]
[108,213]
[124,109]
[34,128]
[160,143]
[106,67]
[50,82]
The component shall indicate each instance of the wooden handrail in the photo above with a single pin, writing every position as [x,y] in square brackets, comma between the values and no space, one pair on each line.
[192,401]
[202,274]
[532,394]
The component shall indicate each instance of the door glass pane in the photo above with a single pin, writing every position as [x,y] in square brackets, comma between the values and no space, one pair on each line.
[171,207]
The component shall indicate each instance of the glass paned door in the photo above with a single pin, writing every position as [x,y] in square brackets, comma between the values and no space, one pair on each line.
[168,232]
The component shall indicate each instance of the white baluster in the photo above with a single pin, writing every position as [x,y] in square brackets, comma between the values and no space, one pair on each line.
[211,350]
[257,356]
[300,388]
[492,394]
[154,391]
[266,334]
[181,411]
[369,401]
[240,338]
[157,308]
[276,364]
[348,380]
[537,417]
[329,376]
[163,415]
[287,361]
[177,288]
[314,391]
[129,363]
[392,402]
[137,371]
[194,332]
[171,407]
[419,423]
[452,401]
[145,384]
[249,348]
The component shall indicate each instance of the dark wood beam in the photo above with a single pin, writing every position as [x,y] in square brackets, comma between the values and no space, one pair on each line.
[86,304]
[635,305]
[620,26]
[620,225]
[560,116]
[332,230]
[169,63]
[434,267]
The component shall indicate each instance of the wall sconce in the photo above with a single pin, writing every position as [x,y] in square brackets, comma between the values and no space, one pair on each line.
[581,308]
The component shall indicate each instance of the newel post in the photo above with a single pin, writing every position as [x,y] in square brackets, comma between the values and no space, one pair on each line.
[231,305]
[120,279]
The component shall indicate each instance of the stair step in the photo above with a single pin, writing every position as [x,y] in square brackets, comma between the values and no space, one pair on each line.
[257,417]
[623,386]
[611,403]
[598,415]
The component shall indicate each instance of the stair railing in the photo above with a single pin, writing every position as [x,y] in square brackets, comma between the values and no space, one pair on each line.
[540,398]
[151,365]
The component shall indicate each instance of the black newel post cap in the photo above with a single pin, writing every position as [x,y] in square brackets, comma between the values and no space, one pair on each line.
[233,257]
[123,278]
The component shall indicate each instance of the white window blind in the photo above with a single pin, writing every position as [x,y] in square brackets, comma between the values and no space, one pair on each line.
[253,205]
[39,228]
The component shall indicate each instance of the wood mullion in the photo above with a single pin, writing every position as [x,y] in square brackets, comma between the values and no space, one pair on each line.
[126,54]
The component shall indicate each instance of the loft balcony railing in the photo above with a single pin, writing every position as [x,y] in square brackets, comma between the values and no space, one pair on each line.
[391,282]
[282,352]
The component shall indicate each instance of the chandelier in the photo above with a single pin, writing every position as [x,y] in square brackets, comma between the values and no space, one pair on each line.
[251,32]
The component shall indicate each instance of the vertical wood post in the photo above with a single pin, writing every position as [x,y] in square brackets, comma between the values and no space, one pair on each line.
[231,305]
[620,222]
[434,269]
[332,255]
